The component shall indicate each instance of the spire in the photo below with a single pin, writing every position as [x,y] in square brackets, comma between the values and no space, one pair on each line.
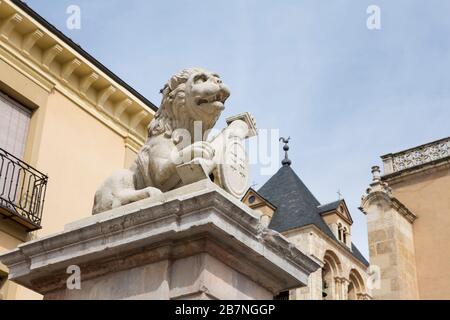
[286,161]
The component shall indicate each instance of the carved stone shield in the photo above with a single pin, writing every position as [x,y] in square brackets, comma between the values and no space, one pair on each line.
[233,171]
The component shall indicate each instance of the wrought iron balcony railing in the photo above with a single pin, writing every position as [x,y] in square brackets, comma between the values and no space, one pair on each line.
[22,191]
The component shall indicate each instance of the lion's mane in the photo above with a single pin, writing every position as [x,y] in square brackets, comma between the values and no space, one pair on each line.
[173,113]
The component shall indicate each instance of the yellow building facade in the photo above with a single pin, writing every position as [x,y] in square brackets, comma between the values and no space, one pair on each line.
[68,118]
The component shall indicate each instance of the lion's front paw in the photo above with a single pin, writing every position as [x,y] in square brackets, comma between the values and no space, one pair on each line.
[199,149]
[153,192]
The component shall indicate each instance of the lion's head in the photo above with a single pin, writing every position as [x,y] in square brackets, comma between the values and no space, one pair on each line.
[191,95]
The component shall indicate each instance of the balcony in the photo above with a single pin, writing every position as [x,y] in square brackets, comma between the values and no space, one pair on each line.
[22,191]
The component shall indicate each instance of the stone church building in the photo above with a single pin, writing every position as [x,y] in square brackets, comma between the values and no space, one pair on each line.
[322,231]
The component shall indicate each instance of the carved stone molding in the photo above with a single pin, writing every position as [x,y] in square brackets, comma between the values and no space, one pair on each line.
[418,156]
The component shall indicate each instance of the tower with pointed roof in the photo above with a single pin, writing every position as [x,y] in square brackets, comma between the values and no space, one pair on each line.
[322,231]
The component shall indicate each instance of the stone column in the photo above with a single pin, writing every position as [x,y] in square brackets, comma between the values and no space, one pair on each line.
[341,288]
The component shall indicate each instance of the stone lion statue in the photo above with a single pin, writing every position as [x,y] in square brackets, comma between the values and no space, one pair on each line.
[192,101]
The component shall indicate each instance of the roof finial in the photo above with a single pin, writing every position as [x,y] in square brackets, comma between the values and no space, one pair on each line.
[376,174]
[286,161]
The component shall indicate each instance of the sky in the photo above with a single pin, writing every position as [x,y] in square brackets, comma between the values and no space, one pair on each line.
[312,69]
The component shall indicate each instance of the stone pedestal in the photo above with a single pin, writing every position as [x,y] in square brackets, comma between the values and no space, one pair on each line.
[197,242]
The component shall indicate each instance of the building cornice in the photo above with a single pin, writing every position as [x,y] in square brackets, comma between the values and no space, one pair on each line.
[417,171]
[49,59]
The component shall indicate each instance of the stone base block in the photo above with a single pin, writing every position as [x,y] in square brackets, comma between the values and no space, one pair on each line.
[198,242]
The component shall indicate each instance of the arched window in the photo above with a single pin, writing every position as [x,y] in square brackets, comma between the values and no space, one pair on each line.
[327,278]
[356,285]
[340,232]
[331,269]
[351,293]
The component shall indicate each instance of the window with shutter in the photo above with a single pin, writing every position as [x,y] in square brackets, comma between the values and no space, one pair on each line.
[14,122]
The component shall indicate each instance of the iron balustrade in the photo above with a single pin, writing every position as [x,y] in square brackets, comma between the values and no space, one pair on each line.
[22,191]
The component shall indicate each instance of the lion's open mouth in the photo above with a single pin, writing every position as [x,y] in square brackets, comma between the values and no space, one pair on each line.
[218,97]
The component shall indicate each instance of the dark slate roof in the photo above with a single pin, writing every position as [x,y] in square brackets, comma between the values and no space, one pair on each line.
[297,206]
[329,206]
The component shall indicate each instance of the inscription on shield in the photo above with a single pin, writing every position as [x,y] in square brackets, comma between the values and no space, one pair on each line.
[234,171]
